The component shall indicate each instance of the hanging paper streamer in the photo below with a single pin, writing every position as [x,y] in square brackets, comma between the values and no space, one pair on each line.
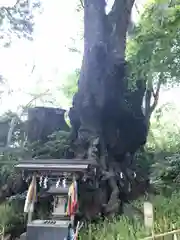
[64,183]
[58,183]
[41,181]
[31,196]
[45,182]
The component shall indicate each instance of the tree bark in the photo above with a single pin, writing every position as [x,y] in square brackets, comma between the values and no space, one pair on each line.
[105,116]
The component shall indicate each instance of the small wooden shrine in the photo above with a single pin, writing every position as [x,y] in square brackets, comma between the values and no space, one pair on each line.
[56,177]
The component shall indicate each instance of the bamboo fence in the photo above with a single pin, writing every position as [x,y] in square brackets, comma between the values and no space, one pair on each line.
[172,235]
[1,232]
[149,224]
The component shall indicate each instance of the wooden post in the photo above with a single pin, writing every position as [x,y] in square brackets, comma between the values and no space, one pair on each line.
[30,212]
[175,237]
[2,233]
[29,217]
[149,218]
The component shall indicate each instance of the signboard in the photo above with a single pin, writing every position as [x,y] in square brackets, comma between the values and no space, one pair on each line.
[148,215]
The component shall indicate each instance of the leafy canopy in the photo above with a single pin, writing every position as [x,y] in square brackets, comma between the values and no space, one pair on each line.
[154,47]
[17,21]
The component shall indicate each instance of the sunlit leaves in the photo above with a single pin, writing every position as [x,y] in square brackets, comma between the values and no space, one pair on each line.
[155,46]
[71,84]
[17,20]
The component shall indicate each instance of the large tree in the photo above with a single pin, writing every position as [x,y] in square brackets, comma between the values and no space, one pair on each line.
[152,53]
[107,120]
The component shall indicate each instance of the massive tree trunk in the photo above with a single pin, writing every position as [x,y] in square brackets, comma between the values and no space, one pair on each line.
[108,124]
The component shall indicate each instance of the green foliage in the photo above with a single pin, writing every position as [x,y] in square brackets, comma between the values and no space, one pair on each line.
[166,174]
[7,162]
[165,130]
[166,214]
[162,159]
[164,142]
[154,46]
[7,213]
[10,217]
[121,228]
[71,84]
[58,146]
[17,20]
[11,212]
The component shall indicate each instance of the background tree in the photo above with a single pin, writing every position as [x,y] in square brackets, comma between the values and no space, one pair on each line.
[153,51]
[18,20]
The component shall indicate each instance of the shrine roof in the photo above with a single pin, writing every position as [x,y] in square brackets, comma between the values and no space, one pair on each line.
[55,165]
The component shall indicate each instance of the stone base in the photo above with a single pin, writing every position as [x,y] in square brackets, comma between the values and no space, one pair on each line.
[47,229]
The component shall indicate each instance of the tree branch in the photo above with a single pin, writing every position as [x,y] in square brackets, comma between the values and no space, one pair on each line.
[17,3]
[94,30]
[119,20]
[156,95]
[137,9]
[81,2]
